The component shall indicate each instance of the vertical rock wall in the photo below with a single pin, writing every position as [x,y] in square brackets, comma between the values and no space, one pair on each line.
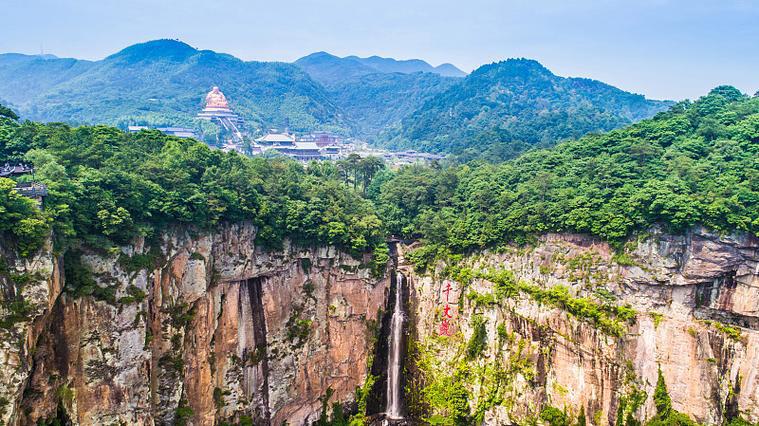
[29,287]
[696,299]
[217,330]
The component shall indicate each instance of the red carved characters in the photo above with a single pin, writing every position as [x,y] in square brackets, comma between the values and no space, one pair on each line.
[445,324]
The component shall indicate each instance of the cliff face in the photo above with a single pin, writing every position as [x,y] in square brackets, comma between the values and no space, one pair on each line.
[29,288]
[219,330]
[696,303]
[207,328]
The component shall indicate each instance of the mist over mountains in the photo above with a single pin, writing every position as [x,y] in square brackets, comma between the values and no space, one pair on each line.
[499,109]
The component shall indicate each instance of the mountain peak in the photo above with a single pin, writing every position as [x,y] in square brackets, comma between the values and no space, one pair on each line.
[155,49]
[449,70]
[514,67]
[328,69]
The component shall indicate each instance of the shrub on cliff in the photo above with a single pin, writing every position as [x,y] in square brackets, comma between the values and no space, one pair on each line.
[665,414]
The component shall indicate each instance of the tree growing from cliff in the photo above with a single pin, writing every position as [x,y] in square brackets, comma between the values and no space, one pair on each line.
[662,401]
[20,217]
[665,414]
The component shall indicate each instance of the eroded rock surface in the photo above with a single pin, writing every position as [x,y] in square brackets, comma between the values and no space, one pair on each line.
[689,293]
[217,330]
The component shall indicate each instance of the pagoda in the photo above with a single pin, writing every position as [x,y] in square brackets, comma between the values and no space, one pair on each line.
[217,109]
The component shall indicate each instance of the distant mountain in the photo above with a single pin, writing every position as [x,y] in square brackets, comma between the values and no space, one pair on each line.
[377,92]
[497,111]
[501,109]
[329,69]
[25,76]
[163,82]
[408,66]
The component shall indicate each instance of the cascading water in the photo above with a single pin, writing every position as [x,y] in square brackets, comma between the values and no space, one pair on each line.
[394,354]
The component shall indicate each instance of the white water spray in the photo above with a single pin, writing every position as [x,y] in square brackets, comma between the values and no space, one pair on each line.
[393,408]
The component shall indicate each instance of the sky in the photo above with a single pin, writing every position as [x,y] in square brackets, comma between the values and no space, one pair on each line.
[664,49]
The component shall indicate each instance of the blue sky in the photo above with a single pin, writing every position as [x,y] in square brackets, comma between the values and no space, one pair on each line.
[660,48]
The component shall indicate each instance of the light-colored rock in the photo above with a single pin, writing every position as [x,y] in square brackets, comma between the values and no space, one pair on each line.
[687,281]
[212,334]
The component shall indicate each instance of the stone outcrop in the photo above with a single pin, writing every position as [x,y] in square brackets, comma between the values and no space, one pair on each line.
[207,328]
[696,299]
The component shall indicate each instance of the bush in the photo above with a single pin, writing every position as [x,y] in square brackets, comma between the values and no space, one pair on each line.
[554,417]
[479,340]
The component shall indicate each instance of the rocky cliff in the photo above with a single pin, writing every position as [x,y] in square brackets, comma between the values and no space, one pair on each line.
[572,324]
[206,328]
[199,328]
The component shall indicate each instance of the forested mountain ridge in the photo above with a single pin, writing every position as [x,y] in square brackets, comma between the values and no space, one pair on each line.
[164,82]
[376,101]
[329,69]
[503,108]
[496,112]
[377,92]
[696,164]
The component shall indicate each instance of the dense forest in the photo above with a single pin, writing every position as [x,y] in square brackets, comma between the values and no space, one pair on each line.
[107,187]
[503,108]
[697,163]
[694,164]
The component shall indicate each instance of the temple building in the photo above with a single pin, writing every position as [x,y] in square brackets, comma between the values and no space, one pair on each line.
[275,139]
[31,189]
[217,110]
[287,144]
[321,138]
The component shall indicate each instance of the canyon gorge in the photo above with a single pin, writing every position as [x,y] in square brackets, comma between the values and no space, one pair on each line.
[207,328]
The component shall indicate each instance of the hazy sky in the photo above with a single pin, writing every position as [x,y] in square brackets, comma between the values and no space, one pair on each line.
[660,48]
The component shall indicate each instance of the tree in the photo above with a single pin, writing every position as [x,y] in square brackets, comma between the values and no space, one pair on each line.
[662,401]
[369,167]
[8,113]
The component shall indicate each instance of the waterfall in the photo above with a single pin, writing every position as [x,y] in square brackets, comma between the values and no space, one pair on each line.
[394,353]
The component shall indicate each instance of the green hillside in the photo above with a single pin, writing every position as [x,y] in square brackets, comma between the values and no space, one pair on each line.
[695,164]
[163,82]
[376,101]
[107,187]
[501,109]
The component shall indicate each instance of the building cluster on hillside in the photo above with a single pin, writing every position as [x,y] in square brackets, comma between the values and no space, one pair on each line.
[411,157]
[311,146]
[317,145]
